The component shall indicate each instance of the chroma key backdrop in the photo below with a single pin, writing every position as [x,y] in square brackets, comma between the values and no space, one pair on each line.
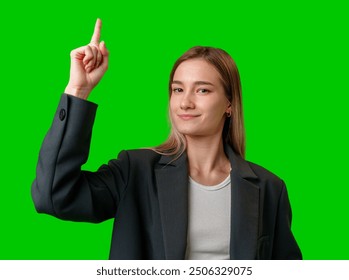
[293,61]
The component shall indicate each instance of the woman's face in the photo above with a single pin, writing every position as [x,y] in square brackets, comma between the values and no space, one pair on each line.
[198,103]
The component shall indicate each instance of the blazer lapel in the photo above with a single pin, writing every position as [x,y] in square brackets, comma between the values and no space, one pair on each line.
[244,209]
[172,187]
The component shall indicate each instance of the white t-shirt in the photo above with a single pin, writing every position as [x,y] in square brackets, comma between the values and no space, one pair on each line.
[209,221]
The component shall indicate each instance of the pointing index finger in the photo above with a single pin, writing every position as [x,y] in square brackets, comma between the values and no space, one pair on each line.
[97,32]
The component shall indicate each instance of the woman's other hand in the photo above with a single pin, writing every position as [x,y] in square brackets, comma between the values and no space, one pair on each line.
[88,65]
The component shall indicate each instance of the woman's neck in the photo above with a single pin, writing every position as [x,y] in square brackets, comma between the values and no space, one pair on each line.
[208,164]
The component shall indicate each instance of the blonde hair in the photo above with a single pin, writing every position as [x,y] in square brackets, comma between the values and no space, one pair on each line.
[233,132]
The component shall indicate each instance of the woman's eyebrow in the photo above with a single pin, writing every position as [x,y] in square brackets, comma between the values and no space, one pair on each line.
[196,83]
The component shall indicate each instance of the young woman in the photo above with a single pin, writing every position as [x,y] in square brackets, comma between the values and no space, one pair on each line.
[193,197]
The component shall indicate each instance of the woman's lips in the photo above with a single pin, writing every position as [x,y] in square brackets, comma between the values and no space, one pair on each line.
[187,116]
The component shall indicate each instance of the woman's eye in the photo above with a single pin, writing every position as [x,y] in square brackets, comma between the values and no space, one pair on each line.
[177,90]
[203,90]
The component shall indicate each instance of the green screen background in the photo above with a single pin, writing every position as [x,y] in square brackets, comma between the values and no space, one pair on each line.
[293,61]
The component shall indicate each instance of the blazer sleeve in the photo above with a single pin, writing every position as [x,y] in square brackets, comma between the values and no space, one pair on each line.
[61,188]
[285,246]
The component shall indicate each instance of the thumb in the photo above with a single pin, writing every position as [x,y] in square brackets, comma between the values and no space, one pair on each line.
[103,49]
[105,54]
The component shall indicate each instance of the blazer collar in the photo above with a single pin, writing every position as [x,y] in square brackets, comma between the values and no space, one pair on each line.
[238,164]
[172,186]
[244,208]
[172,161]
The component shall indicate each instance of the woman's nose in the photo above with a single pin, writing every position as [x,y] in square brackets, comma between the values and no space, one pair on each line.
[187,101]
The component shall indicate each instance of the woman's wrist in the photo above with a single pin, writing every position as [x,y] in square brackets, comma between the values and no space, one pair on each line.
[82,93]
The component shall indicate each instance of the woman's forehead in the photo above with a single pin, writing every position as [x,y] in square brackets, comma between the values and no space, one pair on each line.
[197,71]
[197,66]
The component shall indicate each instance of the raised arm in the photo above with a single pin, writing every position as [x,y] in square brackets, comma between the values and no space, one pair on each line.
[61,188]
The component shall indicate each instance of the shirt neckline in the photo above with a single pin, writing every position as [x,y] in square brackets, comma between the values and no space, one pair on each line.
[218,186]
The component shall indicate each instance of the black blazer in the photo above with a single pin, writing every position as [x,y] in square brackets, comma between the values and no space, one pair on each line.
[147,194]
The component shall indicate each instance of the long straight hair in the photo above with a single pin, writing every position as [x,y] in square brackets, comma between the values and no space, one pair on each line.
[233,131]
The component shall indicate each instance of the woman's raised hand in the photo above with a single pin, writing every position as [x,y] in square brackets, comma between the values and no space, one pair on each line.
[88,65]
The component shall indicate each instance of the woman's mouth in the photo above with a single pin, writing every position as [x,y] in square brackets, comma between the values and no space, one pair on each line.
[187,117]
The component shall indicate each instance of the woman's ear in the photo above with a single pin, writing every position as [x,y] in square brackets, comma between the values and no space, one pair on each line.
[228,111]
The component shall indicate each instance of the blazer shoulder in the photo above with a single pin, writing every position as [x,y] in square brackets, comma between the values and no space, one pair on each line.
[142,155]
